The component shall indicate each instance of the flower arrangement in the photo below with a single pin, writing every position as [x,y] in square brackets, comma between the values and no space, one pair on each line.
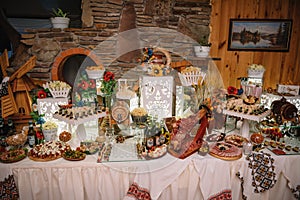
[233,90]
[58,85]
[49,125]
[256,70]
[58,88]
[38,94]
[108,83]
[256,67]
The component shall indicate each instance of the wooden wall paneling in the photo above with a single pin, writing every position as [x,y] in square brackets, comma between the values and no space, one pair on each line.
[232,56]
[297,41]
[215,25]
[296,77]
[284,10]
[244,58]
[292,64]
[273,59]
[280,66]
[223,37]
[260,12]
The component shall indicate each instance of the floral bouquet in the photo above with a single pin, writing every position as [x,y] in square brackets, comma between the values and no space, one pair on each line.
[256,70]
[108,83]
[49,125]
[58,88]
[49,130]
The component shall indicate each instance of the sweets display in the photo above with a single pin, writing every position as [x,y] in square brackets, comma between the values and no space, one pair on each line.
[238,105]
[65,136]
[78,115]
[281,148]
[48,151]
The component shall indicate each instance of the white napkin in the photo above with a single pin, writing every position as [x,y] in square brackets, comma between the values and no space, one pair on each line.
[155,179]
[218,173]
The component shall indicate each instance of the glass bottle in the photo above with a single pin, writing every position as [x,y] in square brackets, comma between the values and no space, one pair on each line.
[31,136]
[2,133]
[11,130]
[2,128]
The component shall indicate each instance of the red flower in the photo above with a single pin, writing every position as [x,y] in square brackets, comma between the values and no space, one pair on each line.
[92,84]
[84,85]
[41,94]
[232,90]
[108,76]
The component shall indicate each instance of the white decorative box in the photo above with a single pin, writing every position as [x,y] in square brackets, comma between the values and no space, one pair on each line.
[291,89]
[256,73]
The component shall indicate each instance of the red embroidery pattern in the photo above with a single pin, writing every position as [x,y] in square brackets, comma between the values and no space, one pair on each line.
[138,193]
[8,189]
[223,195]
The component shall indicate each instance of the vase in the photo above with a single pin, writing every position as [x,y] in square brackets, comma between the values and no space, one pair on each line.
[107,101]
[50,134]
[60,22]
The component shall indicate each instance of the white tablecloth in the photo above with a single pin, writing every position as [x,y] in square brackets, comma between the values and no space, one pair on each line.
[195,177]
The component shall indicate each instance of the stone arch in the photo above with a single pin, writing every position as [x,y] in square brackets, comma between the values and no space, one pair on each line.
[64,55]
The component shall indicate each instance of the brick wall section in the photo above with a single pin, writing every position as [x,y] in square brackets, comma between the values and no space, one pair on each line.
[100,21]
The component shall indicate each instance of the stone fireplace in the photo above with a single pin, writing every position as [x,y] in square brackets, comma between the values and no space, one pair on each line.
[67,63]
[61,51]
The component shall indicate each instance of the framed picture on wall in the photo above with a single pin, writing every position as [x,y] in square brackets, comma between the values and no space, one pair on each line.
[259,34]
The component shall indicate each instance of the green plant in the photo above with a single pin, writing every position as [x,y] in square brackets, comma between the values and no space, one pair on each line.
[59,12]
[203,41]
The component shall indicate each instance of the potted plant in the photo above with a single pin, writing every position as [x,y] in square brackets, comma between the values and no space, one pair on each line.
[59,19]
[202,50]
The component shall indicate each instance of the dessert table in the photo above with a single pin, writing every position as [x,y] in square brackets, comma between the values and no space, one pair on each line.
[196,177]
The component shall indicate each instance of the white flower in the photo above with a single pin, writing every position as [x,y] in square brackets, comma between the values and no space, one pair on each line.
[58,85]
[49,125]
[34,107]
[257,67]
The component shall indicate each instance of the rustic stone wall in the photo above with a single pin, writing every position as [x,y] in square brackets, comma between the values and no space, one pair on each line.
[103,20]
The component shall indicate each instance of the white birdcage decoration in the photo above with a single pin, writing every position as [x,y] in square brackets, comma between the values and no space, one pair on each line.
[256,71]
[58,89]
[192,78]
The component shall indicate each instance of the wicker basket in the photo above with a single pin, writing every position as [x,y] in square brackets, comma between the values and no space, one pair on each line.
[139,119]
[191,78]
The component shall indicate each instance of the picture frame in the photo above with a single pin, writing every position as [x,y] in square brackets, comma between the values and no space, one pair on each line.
[259,35]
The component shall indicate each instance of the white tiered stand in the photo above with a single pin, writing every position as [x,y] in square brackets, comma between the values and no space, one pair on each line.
[80,132]
[244,130]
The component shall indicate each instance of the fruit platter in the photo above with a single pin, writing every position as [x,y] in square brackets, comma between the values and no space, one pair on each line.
[74,155]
